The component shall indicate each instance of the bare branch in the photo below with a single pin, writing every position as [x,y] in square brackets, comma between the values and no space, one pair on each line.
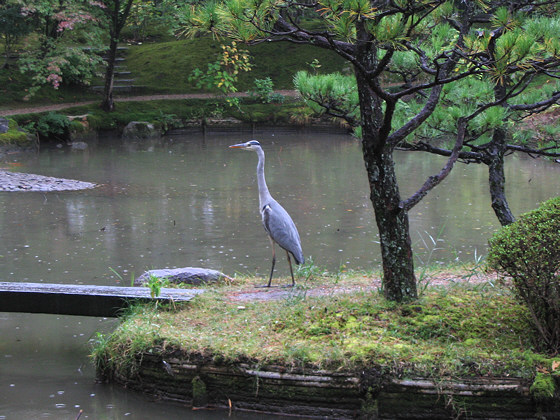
[535,152]
[434,180]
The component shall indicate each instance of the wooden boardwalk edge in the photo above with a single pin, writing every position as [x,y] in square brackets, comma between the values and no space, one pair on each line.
[82,300]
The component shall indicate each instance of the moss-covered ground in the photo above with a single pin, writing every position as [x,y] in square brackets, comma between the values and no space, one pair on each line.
[462,329]
[174,113]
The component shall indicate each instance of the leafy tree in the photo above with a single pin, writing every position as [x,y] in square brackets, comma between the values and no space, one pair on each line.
[522,53]
[116,12]
[510,93]
[13,26]
[52,56]
[433,45]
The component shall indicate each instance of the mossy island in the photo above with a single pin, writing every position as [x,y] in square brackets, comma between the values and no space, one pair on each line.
[334,347]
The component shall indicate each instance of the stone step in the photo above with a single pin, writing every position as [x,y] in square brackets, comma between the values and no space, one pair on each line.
[118,88]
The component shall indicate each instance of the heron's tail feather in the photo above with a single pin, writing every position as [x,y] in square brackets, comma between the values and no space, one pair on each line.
[299,258]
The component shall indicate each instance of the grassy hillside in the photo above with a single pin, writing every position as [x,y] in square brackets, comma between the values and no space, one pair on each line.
[166,66]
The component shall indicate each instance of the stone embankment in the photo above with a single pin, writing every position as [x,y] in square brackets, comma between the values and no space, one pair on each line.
[309,393]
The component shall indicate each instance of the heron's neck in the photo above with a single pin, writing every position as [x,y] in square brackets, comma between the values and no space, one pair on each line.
[264,195]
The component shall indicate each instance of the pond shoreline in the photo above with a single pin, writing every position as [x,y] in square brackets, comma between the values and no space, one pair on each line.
[199,382]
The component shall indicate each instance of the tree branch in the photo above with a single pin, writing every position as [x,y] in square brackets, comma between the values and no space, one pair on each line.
[434,180]
[537,152]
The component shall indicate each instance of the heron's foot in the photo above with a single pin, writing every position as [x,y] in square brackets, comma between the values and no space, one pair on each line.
[269,286]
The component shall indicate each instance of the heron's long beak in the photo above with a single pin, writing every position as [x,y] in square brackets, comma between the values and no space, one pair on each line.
[238,146]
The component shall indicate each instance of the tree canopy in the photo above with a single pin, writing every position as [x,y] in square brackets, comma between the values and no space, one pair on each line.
[420,70]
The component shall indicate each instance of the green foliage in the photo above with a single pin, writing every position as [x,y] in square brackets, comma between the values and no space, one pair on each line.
[56,64]
[167,121]
[263,90]
[336,92]
[13,26]
[53,125]
[171,113]
[155,284]
[54,55]
[165,67]
[528,252]
[222,75]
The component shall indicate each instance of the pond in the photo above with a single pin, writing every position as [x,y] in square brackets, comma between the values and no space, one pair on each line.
[188,200]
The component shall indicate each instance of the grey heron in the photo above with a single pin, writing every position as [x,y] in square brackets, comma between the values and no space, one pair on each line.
[277,222]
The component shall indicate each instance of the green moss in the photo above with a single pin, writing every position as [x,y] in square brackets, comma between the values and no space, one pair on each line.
[15,136]
[77,126]
[458,332]
[199,393]
[543,387]
[166,66]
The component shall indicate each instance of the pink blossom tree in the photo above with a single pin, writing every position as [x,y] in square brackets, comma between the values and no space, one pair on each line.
[53,56]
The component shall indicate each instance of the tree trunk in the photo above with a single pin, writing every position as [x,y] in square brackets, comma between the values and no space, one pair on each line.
[108,104]
[496,175]
[399,281]
[497,179]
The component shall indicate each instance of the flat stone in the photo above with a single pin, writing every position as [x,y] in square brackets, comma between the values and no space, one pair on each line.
[185,275]
[19,181]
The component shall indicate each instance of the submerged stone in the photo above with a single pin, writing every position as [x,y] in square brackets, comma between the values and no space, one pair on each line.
[140,130]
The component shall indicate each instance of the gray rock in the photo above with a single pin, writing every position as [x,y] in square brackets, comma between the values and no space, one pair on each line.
[185,275]
[140,130]
[19,181]
[79,145]
[4,125]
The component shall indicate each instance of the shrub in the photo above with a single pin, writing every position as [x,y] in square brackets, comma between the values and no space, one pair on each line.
[53,125]
[528,251]
[263,90]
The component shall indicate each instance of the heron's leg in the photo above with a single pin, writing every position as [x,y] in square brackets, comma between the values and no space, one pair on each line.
[273,261]
[291,270]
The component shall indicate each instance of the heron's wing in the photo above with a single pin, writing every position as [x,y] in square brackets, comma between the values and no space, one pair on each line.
[282,229]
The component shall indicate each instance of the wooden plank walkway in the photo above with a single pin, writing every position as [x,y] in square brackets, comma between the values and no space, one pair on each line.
[84,300]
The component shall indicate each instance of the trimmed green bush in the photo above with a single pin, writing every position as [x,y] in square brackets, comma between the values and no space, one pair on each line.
[528,252]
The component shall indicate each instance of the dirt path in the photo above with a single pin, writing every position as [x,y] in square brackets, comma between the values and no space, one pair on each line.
[443,278]
[58,107]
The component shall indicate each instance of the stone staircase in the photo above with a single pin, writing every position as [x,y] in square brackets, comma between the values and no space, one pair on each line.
[123,82]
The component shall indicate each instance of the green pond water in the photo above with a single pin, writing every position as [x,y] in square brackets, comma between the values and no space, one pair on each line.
[188,200]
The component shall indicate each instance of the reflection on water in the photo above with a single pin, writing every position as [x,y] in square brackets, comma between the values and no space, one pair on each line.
[188,200]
